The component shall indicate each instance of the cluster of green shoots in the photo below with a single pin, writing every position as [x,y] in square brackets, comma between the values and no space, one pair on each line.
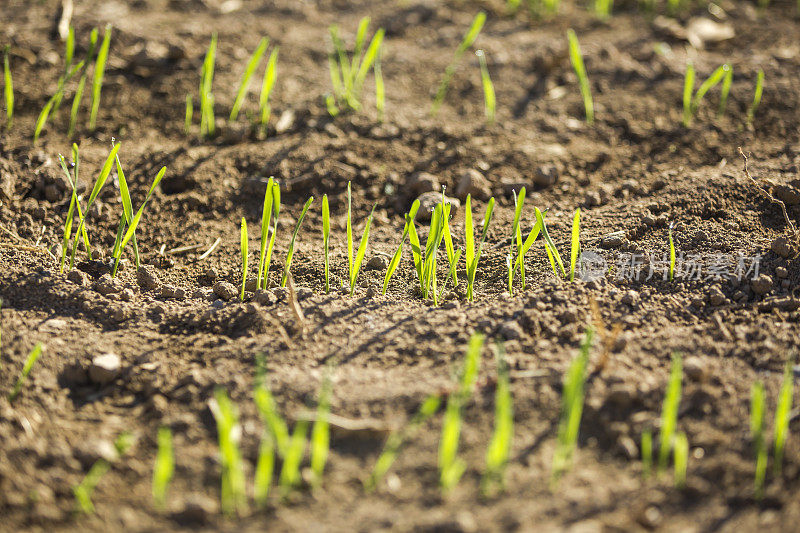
[723,74]
[670,440]
[466,42]
[348,73]
[84,490]
[79,70]
[489,99]
[781,430]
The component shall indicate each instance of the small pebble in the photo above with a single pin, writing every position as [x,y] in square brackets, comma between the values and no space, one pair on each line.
[761,285]
[146,277]
[224,290]
[104,368]
[376,262]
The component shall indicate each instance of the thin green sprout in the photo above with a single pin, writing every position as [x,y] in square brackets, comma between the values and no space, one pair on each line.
[348,74]
[26,369]
[602,8]
[751,111]
[76,105]
[99,71]
[83,491]
[580,70]
[672,256]
[466,42]
[233,496]
[510,275]
[726,89]
[354,264]
[783,416]
[409,217]
[8,90]
[206,97]
[326,231]
[244,84]
[290,251]
[452,258]
[276,209]
[265,467]
[164,467]
[489,98]
[471,254]
[688,89]
[127,218]
[270,75]
[276,426]
[243,245]
[576,243]
[550,247]
[681,459]
[290,472]
[499,450]
[266,215]
[669,412]
[516,239]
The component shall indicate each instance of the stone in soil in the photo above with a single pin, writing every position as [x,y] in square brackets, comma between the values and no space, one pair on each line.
[105,368]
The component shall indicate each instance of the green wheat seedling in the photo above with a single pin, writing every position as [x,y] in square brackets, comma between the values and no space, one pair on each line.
[669,412]
[675,6]
[516,241]
[757,408]
[552,252]
[244,83]
[290,252]
[576,243]
[265,468]
[276,425]
[393,264]
[499,450]
[396,439]
[354,263]
[726,89]
[349,73]
[320,433]
[680,459]
[510,275]
[452,467]
[272,204]
[692,103]
[26,369]
[98,185]
[99,71]
[425,265]
[647,453]
[602,8]
[688,90]
[326,233]
[8,89]
[576,59]
[526,245]
[471,254]
[751,111]
[571,409]
[267,84]
[489,98]
[233,496]
[187,120]
[293,458]
[73,204]
[164,468]
[672,256]
[380,89]
[131,231]
[243,245]
[466,42]
[85,489]
[207,124]
[127,216]
[783,415]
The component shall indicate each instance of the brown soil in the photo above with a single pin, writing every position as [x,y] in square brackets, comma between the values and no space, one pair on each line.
[636,171]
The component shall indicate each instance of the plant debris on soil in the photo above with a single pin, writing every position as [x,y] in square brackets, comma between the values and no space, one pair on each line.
[147,349]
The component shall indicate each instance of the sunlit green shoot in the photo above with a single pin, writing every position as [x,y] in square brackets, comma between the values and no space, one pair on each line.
[76,105]
[510,275]
[320,433]
[393,264]
[349,73]
[466,42]
[550,247]
[672,256]
[602,8]
[396,440]
[572,408]
[127,215]
[243,247]
[244,83]
[326,231]
[84,490]
[207,124]
[354,263]
[164,467]
[8,90]
[266,215]
[187,121]
[681,459]
[576,243]
[233,496]
[647,452]
[757,408]
[380,90]
[580,70]
[99,72]
[272,419]
[669,412]
[751,111]
[26,369]
[726,89]
[268,83]
[688,90]
[783,416]
[473,254]
[499,450]
[452,467]
[489,98]
[516,240]
[290,472]
[290,252]
[265,466]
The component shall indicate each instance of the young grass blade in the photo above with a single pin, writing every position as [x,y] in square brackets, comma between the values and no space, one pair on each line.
[669,412]
[326,230]
[380,91]
[244,84]
[127,208]
[783,416]
[266,214]
[681,459]
[232,495]
[537,228]
[264,470]
[99,71]
[489,99]
[706,86]
[290,252]
[83,491]
[187,121]
[516,236]
[395,441]
[497,454]
[510,273]
[472,267]
[448,244]
[362,249]
[290,472]
[243,244]
[269,414]
[270,75]
[410,216]
[206,81]
[416,252]
[671,255]
[751,111]
[349,231]
[580,70]
[602,8]
[276,209]
[68,222]
[576,243]
[466,42]
[42,120]
[469,232]
[76,105]
[688,89]
[552,252]
[572,408]
[361,37]
[369,60]
[8,90]
[726,89]
[26,369]
[132,228]
[164,467]
[647,453]
[69,49]
[320,434]
[757,403]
